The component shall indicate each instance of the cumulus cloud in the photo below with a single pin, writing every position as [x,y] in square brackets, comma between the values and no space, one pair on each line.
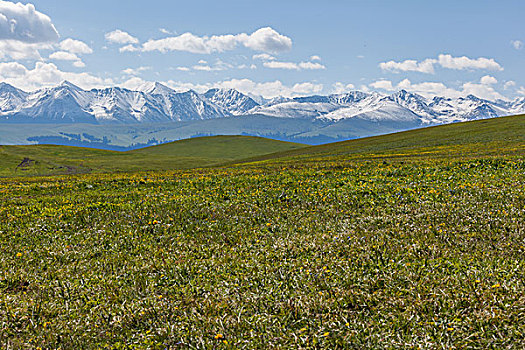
[461,63]
[484,89]
[120,37]
[517,44]
[509,84]
[267,89]
[67,56]
[25,24]
[129,48]
[521,90]
[75,46]
[18,50]
[264,39]
[427,66]
[488,80]
[263,57]
[340,88]
[293,65]
[383,85]
[46,74]
[135,71]
[445,61]
[64,56]
[315,58]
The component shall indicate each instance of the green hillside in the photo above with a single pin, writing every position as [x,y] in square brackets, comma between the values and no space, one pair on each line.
[191,153]
[495,136]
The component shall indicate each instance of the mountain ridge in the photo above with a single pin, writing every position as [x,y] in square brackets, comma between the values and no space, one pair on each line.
[155,102]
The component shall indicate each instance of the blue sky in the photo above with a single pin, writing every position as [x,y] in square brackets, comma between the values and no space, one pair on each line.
[269,48]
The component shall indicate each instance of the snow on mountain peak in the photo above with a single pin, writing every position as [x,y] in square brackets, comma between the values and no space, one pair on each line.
[155,102]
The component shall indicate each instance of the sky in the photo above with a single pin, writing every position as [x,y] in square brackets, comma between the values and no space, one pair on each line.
[269,48]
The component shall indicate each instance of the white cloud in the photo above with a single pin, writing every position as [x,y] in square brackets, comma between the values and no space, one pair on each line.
[445,61]
[430,89]
[311,65]
[165,31]
[129,48]
[281,65]
[521,90]
[340,88]
[120,37]
[427,66]
[133,83]
[67,56]
[509,84]
[482,91]
[315,58]
[64,56]
[488,80]
[46,74]
[293,66]
[135,71]
[461,63]
[206,68]
[18,50]
[517,44]
[268,89]
[264,39]
[383,85]
[25,24]
[79,64]
[263,57]
[183,69]
[75,46]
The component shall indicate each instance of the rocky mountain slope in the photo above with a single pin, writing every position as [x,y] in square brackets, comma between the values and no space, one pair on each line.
[157,103]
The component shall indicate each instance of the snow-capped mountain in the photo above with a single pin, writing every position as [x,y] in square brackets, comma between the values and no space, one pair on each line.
[231,100]
[155,102]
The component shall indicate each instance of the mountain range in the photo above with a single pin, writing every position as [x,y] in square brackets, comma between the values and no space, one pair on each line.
[119,118]
[155,102]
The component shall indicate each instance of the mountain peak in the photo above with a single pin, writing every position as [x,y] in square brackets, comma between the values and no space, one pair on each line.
[156,88]
[70,85]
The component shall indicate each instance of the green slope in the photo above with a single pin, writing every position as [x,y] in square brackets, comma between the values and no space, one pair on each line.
[497,136]
[191,153]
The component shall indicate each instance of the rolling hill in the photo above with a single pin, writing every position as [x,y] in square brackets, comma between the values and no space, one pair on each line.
[190,153]
[496,136]
[476,138]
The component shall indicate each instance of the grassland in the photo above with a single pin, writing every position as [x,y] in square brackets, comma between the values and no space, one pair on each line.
[185,154]
[346,246]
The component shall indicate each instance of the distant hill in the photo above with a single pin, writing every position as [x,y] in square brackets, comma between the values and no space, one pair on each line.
[191,153]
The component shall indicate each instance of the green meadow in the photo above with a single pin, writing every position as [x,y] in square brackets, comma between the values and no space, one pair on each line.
[414,240]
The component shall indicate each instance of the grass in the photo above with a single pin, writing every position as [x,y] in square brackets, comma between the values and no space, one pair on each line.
[191,153]
[384,248]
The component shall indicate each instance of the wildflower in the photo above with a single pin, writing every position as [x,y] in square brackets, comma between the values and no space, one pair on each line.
[219,336]
[497,285]
[18,255]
